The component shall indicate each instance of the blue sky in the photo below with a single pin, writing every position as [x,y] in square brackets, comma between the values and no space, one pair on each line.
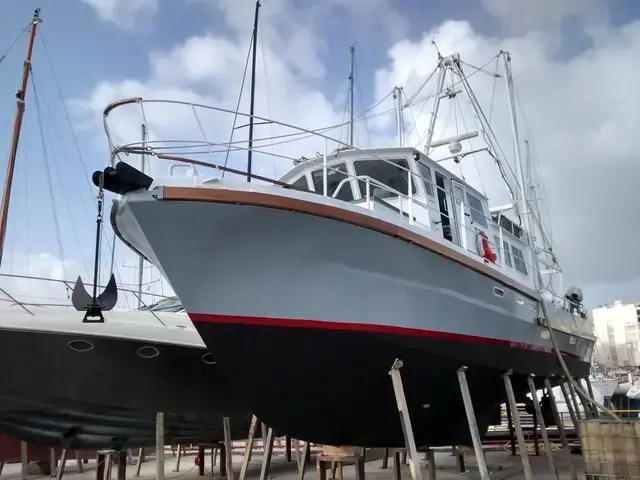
[95,49]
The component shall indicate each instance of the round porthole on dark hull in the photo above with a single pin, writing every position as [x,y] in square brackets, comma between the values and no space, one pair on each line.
[208,359]
[80,346]
[148,352]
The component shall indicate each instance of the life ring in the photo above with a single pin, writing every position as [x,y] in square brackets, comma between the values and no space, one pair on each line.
[485,250]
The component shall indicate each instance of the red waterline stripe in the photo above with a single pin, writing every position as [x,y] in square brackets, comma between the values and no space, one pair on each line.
[365,327]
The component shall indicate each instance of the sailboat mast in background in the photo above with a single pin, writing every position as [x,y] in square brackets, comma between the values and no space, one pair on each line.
[253,90]
[17,126]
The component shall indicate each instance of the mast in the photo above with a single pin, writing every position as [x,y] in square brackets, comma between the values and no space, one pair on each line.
[17,126]
[140,259]
[253,88]
[352,51]
[397,96]
[521,201]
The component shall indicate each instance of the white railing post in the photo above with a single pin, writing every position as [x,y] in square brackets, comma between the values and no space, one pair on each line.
[324,170]
[410,195]
[368,193]
[463,226]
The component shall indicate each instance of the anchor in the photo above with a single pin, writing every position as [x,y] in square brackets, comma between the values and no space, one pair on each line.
[94,305]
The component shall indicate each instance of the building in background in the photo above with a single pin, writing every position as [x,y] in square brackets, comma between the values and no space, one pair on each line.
[616,327]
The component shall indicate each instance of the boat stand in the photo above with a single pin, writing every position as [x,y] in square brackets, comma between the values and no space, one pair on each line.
[139,462]
[248,450]
[594,409]
[266,455]
[560,426]
[572,411]
[574,397]
[543,428]
[303,458]
[518,426]
[159,446]
[405,420]
[177,468]
[228,449]
[473,424]
[338,459]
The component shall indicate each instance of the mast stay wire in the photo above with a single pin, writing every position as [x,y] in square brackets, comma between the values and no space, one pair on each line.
[87,177]
[45,158]
[235,117]
[43,106]
[266,88]
[12,44]
[356,73]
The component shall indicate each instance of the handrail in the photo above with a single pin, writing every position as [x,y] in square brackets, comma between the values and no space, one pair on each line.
[157,148]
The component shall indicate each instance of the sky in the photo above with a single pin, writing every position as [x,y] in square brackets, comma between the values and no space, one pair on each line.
[574,64]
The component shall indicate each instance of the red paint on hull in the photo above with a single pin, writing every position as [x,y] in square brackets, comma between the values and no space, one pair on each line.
[366,327]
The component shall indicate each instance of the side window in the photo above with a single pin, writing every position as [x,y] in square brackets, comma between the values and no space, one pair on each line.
[518,259]
[477,214]
[507,255]
[301,183]
[496,246]
[425,173]
[335,174]
[386,173]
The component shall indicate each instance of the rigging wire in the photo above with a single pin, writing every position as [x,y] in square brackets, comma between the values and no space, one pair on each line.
[22,32]
[45,158]
[41,38]
[356,73]
[235,117]
[67,203]
[266,87]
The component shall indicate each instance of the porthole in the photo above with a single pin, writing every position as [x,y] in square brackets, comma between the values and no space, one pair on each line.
[572,340]
[208,359]
[148,352]
[531,306]
[80,346]
[520,301]
[545,334]
[498,292]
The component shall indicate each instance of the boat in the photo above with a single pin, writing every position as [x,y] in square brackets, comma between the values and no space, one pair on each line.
[82,385]
[310,287]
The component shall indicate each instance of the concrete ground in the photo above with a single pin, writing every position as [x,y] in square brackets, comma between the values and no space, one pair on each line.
[501,464]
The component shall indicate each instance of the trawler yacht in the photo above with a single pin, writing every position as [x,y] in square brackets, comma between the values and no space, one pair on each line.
[309,287]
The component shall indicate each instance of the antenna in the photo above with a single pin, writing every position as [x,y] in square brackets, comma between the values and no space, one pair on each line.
[17,126]
[253,89]
[352,51]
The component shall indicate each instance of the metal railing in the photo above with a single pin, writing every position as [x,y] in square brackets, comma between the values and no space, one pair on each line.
[288,139]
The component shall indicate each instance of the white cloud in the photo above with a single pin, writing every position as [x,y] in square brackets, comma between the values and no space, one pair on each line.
[582,112]
[527,15]
[127,14]
[583,115]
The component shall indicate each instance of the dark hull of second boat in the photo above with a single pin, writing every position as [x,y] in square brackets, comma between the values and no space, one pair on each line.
[41,367]
[115,429]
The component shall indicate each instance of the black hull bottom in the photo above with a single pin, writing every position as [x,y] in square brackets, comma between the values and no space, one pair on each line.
[115,429]
[41,367]
[332,387]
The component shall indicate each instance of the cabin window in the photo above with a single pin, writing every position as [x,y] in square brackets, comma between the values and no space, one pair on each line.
[518,259]
[386,173]
[335,174]
[477,214]
[301,183]
[507,255]
[496,243]
[425,173]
